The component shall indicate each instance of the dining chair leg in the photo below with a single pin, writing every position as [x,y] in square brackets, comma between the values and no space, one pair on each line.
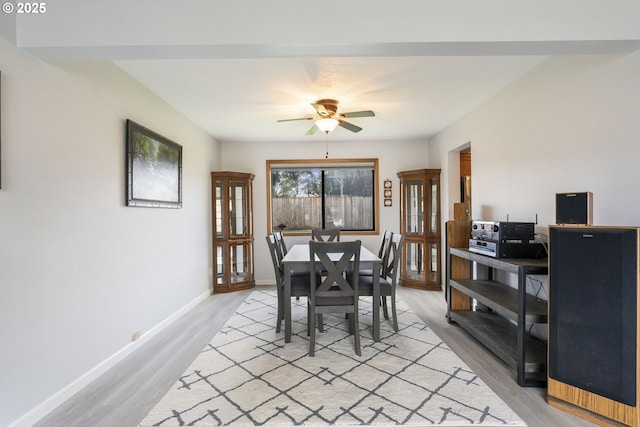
[280,315]
[312,332]
[394,313]
[385,309]
[318,323]
[356,333]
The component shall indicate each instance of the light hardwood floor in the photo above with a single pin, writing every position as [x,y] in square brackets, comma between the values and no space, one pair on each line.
[124,395]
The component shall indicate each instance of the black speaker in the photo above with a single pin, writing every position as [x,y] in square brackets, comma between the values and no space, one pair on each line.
[593,281]
[574,208]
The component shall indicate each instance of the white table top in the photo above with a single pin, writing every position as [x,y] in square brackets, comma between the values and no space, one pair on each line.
[299,253]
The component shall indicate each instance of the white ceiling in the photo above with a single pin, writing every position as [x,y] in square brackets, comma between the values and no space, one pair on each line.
[412,97]
[235,69]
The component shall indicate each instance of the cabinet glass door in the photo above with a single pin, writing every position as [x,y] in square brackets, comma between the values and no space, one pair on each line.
[434,262]
[414,206]
[414,268]
[433,205]
[220,271]
[219,231]
[239,263]
[237,208]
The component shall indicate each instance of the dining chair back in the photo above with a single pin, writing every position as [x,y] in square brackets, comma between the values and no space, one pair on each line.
[384,243]
[320,235]
[282,246]
[334,291]
[388,278]
[300,281]
[390,275]
[383,254]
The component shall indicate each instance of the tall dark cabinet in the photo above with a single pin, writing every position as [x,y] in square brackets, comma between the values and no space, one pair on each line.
[593,320]
[232,231]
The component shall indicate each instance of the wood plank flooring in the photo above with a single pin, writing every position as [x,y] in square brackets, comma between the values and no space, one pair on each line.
[124,395]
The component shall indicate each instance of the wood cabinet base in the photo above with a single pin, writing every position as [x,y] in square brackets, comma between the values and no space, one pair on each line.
[421,285]
[224,288]
[590,406]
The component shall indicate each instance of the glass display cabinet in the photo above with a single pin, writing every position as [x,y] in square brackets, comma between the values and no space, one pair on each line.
[420,223]
[232,231]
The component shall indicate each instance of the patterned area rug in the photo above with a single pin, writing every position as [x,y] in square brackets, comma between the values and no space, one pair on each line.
[248,376]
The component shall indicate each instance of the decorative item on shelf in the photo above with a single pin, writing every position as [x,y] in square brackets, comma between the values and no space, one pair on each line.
[387,192]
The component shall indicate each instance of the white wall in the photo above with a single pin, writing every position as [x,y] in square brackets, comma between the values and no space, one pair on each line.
[393,156]
[571,124]
[80,273]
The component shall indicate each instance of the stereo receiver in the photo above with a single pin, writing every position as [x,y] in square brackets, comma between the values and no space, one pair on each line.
[502,231]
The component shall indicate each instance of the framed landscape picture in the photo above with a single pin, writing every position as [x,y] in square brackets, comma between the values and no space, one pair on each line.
[154,169]
[0,130]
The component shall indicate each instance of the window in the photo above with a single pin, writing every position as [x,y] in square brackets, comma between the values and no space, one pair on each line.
[306,194]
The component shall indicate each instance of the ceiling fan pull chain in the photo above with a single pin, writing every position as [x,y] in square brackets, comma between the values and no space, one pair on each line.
[326,145]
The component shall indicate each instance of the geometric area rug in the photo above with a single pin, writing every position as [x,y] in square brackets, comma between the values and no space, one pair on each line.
[248,376]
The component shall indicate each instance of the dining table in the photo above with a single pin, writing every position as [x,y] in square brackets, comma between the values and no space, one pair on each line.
[298,258]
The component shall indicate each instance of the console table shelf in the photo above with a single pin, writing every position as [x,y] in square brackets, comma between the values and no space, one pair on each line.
[501,325]
[502,299]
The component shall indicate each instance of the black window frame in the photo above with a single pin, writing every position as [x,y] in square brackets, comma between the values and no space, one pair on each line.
[322,165]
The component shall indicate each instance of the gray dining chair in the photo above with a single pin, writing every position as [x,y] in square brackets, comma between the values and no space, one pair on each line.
[334,292]
[388,278]
[282,245]
[383,253]
[300,280]
[320,235]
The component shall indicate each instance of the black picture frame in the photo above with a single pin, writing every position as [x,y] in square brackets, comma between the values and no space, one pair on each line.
[0,129]
[154,169]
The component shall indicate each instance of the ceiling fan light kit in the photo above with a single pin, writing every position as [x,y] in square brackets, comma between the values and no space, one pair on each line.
[326,125]
[329,119]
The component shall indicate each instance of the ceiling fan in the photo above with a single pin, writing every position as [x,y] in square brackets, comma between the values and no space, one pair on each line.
[329,117]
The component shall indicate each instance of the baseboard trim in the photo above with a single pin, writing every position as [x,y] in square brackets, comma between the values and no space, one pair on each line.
[51,403]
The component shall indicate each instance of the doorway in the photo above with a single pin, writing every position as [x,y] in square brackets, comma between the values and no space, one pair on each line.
[465,180]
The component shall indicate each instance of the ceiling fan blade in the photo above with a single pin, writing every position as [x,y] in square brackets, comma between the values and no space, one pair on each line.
[313,130]
[366,113]
[349,126]
[320,109]
[291,120]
